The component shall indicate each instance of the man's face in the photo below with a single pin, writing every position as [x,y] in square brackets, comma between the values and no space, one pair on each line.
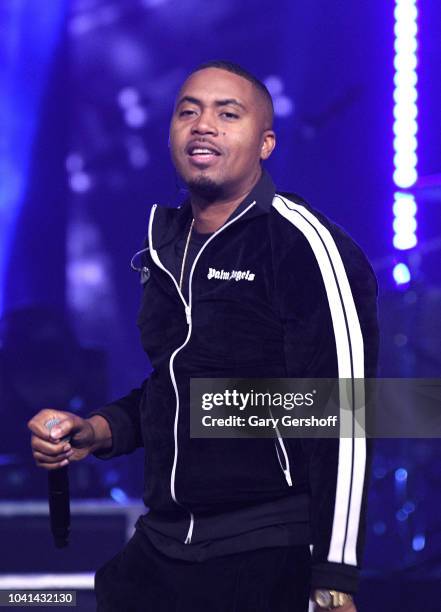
[219,133]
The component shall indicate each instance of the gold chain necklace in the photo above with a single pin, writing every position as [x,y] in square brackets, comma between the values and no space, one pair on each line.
[184,257]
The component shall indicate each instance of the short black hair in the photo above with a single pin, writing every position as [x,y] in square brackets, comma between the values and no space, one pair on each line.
[240,71]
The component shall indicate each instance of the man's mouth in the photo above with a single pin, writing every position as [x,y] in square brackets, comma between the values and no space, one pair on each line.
[202,153]
[195,151]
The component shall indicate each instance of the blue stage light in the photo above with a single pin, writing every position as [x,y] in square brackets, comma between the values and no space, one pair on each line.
[380,472]
[30,35]
[74,163]
[283,104]
[404,206]
[401,515]
[406,45]
[405,92]
[405,127]
[400,340]
[136,116]
[405,62]
[379,528]
[80,182]
[401,475]
[407,159]
[405,223]
[118,495]
[403,81]
[418,542]
[403,244]
[274,84]
[128,97]
[401,274]
[405,177]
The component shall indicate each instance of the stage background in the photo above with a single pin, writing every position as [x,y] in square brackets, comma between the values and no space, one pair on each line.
[87,92]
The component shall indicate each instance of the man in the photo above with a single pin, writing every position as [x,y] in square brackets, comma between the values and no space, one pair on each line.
[240,282]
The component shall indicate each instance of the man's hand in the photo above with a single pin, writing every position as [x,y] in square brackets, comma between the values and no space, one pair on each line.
[347,607]
[85,436]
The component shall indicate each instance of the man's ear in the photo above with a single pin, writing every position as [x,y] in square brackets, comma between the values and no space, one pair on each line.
[268,144]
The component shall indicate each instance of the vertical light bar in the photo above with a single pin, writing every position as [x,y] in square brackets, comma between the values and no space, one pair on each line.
[405,126]
[30,33]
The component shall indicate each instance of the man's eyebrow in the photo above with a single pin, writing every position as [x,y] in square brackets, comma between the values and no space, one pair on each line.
[188,99]
[229,101]
[226,102]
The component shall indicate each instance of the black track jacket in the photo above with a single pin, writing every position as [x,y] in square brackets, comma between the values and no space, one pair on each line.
[302,303]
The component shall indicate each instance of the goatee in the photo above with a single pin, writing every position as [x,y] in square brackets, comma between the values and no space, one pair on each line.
[205,188]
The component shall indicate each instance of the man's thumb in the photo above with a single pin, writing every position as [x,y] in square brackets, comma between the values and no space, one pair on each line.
[59,428]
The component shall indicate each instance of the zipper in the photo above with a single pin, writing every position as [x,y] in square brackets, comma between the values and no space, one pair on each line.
[187,307]
[287,469]
[190,529]
[188,314]
[158,262]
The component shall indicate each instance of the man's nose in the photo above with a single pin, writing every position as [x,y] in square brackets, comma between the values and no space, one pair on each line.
[205,124]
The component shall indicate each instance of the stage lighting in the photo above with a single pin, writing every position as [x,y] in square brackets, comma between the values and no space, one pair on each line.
[405,129]
[401,475]
[401,274]
[418,542]
[404,223]
[118,495]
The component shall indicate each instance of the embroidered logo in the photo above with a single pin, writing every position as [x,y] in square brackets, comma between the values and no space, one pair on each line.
[236,275]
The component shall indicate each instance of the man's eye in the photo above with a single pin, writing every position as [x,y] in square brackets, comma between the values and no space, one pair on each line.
[186,112]
[230,115]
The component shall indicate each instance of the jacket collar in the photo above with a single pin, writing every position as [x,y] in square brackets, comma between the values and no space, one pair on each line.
[169,223]
[262,193]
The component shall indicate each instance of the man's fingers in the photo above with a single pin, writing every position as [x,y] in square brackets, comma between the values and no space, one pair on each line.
[48,448]
[55,446]
[61,430]
[52,466]
[38,425]
[42,459]
[347,607]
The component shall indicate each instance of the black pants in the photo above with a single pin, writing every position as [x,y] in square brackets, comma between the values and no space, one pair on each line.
[141,579]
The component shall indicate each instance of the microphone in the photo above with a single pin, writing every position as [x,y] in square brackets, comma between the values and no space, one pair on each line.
[59,500]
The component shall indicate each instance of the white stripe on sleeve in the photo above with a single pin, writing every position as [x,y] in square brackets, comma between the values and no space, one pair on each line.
[350,358]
